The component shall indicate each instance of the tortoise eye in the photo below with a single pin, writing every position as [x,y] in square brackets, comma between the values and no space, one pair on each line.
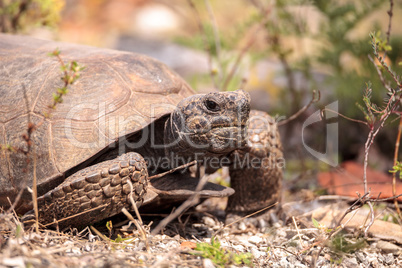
[211,105]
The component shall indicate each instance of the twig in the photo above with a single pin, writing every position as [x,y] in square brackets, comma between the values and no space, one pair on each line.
[75,215]
[192,200]
[35,194]
[386,199]
[298,232]
[137,213]
[339,226]
[345,117]
[138,225]
[371,219]
[382,79]
[205,40]
[103,237]
[243,51]
[390,14]
[216,36]
[303,109]
[397,142]
[172,170]
[245,217]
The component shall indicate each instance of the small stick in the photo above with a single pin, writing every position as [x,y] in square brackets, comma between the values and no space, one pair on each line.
[303,109]
[138,225]
[99,233]
[397,142]
[35,193]
[390,14]
[75,215]
[243,51]
[192,200]
[132,201]
[205,40]
[298,231]
[216,36]
[172,170]
[245,217]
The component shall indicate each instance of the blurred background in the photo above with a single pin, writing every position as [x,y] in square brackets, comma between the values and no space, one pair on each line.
[279,51]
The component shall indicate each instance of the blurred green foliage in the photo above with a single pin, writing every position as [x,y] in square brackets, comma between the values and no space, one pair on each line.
[319,44]
[22,15]
[340,48]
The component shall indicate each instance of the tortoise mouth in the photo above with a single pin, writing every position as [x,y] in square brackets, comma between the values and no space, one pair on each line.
[222,139]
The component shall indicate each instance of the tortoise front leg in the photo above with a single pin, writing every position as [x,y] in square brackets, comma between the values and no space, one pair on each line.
[256,171]
[94,193]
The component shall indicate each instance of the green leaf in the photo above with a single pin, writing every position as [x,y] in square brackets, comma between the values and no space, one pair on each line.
[316,223]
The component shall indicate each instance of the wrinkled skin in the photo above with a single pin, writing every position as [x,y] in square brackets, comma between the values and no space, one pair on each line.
[208,125]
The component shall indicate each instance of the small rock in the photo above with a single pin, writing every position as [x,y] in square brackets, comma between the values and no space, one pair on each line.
[257,254]
[283,262]
[14,262]
[209,221]
[360,257]
[255,239]
[207,263]
[389,259]
[388,247]
[142,258]
[239,248]
[242,226]
[350,262]
[281,233]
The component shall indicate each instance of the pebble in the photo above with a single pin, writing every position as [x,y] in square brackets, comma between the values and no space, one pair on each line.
[207,263]
[388,247]
[209,221]
[257,254]
[242,226]
[239,248]
[350,262]
[360,257]
[255,240]
[389,259]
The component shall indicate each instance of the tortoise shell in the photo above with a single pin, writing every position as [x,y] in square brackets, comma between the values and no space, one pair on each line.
[118,93]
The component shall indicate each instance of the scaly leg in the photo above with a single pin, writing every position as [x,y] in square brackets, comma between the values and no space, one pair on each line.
[256,172]
[94,193]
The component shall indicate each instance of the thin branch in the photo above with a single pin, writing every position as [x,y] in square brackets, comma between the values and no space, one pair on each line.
[344,116]
[382,79]
[173,170]
[205,40]
[191,201]
[396,152]
[390,14]
[244,50]
[339,226]
[216,36]
[75,215]
[386,199]
[245,217]
[314,99]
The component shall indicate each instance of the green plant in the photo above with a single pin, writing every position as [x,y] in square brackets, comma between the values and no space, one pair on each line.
[397,169]
[71,72]
[340,243]
[221,256]
[18,15]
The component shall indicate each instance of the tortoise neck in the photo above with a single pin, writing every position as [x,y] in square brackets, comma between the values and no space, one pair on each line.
[177,149]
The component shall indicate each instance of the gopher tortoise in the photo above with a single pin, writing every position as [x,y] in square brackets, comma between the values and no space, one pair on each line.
[126,118]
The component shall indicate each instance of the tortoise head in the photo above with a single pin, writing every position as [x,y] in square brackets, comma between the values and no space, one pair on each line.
[208,124]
